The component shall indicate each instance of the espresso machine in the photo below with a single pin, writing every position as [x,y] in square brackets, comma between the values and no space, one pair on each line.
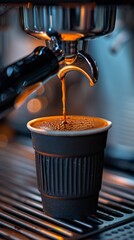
[65,48]
[65,27]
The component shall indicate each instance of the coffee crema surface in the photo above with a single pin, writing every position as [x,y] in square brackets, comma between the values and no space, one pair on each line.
[73,123]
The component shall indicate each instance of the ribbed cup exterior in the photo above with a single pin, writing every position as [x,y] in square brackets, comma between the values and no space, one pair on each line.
[69,177]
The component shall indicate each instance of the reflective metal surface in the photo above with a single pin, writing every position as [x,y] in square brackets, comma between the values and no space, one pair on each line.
[70,23]
[22,214]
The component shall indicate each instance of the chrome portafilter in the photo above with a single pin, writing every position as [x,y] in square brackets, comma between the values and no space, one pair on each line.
[66,27]
[71,21]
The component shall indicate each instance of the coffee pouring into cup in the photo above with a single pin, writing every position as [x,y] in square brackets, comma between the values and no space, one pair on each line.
[74,167]
[69,159]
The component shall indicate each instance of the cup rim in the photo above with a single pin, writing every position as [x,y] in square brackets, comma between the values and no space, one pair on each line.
[68,133]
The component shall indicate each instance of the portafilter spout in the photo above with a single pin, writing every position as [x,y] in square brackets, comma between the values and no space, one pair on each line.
[74,59]
[83,63]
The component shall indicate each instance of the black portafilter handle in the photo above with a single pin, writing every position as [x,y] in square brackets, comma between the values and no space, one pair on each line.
[15,78]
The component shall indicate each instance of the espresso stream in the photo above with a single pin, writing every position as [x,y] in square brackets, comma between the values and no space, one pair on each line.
[64,100]
[66,122]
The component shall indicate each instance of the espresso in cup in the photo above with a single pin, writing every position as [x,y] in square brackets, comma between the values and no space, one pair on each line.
[73,123]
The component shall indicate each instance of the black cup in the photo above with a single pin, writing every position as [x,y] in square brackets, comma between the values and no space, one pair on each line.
[69,167]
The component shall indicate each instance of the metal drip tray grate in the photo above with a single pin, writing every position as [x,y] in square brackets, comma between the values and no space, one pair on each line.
[22,216]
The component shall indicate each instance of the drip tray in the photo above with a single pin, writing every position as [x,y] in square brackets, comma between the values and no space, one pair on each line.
[22,216]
